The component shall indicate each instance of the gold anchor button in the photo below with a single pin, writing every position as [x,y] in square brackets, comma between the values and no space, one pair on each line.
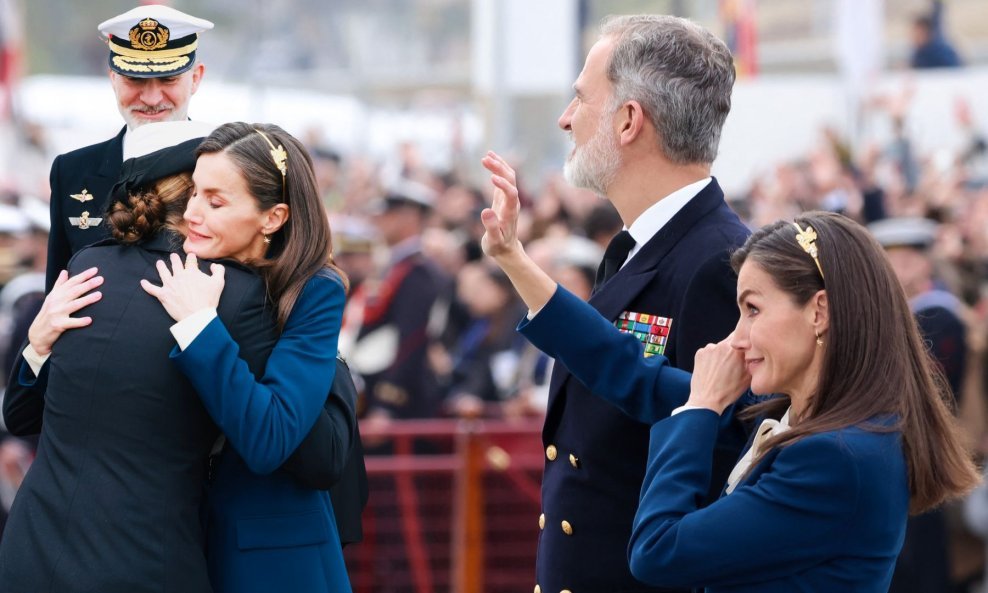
[85,196]
[84,222]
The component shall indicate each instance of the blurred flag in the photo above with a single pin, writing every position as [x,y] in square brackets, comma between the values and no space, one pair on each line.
[11,36]
[858,42]
[741,34]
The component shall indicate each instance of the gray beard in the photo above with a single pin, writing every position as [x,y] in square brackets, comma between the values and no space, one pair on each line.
[593,166]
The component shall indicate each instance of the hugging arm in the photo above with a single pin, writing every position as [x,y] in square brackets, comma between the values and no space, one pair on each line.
[265,420]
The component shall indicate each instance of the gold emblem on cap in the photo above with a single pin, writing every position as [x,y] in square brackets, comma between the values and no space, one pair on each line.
[84,222]
[84,196]
[148,35]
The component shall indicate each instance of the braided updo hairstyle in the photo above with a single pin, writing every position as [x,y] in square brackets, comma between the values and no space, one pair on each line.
[150,209]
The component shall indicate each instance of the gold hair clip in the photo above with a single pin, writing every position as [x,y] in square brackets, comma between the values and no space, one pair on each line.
[280,157]
[807,240]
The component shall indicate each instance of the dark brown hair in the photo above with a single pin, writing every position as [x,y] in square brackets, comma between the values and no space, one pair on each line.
[875,368]
[151,209]
[303,245]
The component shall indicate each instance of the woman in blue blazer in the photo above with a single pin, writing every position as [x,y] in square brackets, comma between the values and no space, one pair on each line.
[256,202]
[266,530]
[819,500]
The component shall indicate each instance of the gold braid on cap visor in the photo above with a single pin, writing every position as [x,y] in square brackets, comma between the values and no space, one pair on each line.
[807,240]
[280,158]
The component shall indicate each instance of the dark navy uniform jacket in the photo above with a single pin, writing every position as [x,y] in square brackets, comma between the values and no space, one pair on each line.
[111,502]
[88,174]
[595,455]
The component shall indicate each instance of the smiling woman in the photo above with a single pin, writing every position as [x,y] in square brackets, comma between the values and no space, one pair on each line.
[780,339]
[222,218]
[819,501]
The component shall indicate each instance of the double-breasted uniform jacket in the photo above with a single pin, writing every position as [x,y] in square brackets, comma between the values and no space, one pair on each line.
[595,454]
[112,500]
[826,513]
[81,181]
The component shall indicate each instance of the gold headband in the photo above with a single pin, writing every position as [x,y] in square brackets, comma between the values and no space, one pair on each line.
[807,240]
[280,158]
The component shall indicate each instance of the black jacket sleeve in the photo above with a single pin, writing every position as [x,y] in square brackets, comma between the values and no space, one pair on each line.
[24,399]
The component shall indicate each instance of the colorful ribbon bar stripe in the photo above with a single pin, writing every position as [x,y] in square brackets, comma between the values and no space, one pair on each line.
[651,330]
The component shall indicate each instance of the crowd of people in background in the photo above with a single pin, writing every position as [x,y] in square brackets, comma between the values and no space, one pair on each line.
[429,326]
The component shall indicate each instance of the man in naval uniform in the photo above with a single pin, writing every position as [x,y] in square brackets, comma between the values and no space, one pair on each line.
[154,73]
[645,123]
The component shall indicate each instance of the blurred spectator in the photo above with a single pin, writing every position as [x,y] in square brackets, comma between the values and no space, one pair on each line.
[572,262]
[602,223]
[21,298]
[931,49]
[924,563]
[482,366]
[326,166]
[391,347]
[13,224]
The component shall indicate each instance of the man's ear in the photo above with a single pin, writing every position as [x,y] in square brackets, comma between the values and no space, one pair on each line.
[197,73]
[631,120]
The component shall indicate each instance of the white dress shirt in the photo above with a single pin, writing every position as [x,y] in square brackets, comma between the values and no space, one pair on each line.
[658,214]
[654,218]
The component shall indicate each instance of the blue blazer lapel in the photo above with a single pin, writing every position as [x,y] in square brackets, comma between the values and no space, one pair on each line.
[614,296]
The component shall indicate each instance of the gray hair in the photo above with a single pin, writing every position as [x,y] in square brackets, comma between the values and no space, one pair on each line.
[680,74]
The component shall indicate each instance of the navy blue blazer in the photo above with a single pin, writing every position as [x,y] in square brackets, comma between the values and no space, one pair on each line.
[595,454]
[266,532]
[88,174]
[827,513]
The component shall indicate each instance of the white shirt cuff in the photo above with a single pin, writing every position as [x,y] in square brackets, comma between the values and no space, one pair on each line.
[531,314]
[686,407]
[34,360]
[187,330]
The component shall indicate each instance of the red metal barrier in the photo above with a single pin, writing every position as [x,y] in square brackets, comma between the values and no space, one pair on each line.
[453,508]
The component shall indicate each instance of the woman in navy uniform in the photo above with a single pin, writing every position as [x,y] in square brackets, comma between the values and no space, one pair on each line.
[819,501]
[112,500]
[294,541]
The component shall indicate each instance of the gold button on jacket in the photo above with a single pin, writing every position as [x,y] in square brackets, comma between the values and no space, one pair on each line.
[550,452]
[567,528]
[542,521]
[574,460]
[538,589]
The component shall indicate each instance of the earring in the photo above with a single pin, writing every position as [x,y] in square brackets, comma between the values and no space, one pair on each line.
[819,339]
[267,240]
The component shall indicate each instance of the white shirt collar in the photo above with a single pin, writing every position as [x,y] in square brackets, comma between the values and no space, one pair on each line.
[658,214]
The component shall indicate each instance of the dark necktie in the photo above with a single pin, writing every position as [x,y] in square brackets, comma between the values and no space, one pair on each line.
[615,254]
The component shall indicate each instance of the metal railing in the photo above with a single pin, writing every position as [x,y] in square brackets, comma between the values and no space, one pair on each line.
[453,507]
